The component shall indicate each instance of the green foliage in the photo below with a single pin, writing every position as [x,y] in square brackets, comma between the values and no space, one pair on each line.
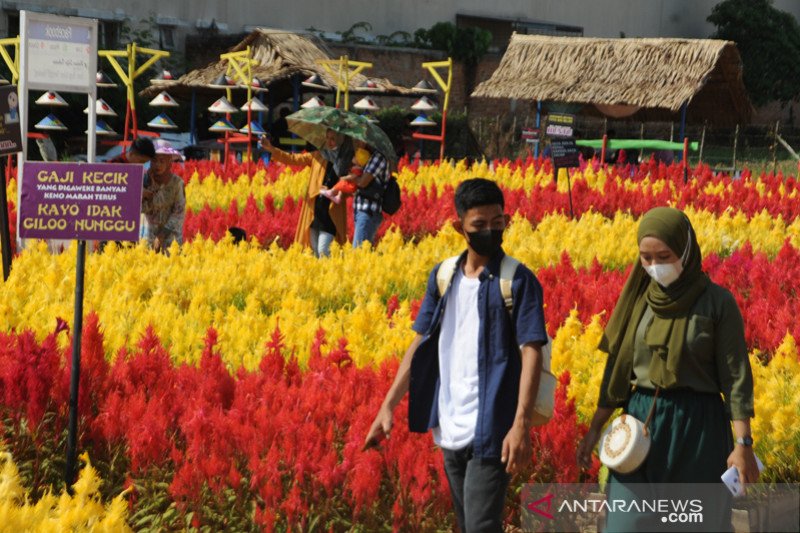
[397,38]
[467,45]
[350,36]
[459,143]
[769,42]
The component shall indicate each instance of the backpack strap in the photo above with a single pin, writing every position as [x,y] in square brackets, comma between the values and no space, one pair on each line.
[508,266]
[445,273]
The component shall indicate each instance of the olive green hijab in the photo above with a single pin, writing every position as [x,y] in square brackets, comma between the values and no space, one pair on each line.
[666,335]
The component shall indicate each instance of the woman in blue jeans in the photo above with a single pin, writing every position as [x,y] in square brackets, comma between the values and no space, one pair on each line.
[367,204]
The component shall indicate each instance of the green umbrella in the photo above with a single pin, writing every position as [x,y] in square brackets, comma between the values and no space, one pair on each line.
[312,123]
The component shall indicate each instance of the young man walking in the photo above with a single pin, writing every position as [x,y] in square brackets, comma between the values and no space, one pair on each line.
[473,370]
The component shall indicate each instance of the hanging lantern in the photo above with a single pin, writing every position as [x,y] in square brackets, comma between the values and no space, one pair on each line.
[369,84]
[103,80]
[422,121]
[316,82]
[162,122]
[102,128]
[424,86]
[424,104]
[51,123]
[222,125]
[221,82]
[163,99]
[222,106]
[102,109]
[366,104]
[255,105]
[52,98]
[314,101]
[163,76]
[255,129]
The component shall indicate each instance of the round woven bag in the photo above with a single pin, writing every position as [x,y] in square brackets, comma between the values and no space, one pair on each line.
[624,444]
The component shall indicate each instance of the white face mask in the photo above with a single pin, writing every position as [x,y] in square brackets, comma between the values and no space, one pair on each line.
[665,274]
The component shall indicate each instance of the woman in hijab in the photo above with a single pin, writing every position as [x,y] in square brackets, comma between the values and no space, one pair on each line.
[321,221]
[675,342]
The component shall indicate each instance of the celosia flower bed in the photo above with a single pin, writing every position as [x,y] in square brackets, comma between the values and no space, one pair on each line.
[231,387]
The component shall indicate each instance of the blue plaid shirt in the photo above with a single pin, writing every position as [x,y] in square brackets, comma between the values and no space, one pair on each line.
[499,362]
[378,167]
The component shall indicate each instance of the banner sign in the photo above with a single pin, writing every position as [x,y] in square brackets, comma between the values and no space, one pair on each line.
[83,201]
[560,125]
[60,52]
[564,153]
[10,137]
[530,135]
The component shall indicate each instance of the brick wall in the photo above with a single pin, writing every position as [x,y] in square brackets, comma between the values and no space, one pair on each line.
[403,66]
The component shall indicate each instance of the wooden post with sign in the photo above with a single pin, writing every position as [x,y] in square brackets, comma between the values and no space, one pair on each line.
[564,153]
[60,53]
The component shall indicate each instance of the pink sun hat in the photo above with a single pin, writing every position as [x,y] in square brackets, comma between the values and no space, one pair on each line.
[164,147]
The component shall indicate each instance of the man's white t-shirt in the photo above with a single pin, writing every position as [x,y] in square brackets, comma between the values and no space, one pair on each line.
[458,365]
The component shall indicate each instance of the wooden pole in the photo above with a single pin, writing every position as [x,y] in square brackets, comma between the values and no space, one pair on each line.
[641,137]
[702,141]
[735,143]
[775,147]
[603,149]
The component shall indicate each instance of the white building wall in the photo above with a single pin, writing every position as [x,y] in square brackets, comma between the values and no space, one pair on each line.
[599,18]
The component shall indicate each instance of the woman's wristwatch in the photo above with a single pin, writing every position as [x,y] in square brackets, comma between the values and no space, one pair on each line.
[745,441]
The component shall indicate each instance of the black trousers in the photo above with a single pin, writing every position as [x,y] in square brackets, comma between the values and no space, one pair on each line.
[478,489]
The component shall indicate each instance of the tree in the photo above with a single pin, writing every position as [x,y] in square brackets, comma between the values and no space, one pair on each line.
[467,45]
[769,42]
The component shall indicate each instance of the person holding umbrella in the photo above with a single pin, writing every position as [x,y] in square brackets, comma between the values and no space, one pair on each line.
[321,221]
[315,124]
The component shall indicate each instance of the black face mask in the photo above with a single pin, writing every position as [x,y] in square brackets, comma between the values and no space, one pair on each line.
[486,242]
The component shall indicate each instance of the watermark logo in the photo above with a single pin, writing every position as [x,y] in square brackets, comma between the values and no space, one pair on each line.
[536,507]
[656,507]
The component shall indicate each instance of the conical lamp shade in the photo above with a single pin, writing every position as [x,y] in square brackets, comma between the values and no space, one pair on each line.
[162,122]
[221,126]
[422,121]
[256,85]
[52,98]
[103,80]
[4,81]
[424,104]
[101,128]
[315,82]
[164,100]
[51,123]
[255,129]
[369,84]
[366,104]
[163,76]
[315,101]
[102,109]
[424,86]
[223,105]
[255,105]
[221,82]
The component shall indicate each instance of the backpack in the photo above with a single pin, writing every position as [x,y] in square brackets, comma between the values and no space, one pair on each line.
[391,197]
[545,398]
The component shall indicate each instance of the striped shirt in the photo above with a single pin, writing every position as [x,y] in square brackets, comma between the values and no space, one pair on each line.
[370,197]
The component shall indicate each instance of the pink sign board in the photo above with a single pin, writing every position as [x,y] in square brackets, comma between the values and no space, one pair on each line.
[82,201]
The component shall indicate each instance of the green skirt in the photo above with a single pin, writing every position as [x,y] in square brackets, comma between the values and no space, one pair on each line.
[690,443]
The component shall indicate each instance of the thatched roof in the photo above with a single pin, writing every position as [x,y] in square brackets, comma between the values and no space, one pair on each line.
[646,73]
[281,55]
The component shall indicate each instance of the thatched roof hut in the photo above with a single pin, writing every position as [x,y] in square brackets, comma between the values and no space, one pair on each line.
[641,78]
[281,55]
